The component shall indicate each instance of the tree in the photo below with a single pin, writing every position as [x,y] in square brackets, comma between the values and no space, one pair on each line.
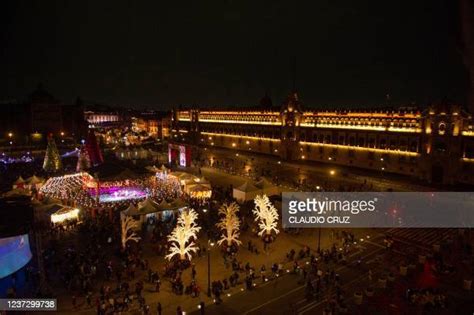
[229,224]
[266,215]
[128,224]
[83,160]
[183,236]
[52,159]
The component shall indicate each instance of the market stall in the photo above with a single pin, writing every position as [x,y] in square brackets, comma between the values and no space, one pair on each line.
[245,192]
[65,215]
[267,187]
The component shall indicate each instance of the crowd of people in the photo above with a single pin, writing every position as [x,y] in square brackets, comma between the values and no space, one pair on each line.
[87,261]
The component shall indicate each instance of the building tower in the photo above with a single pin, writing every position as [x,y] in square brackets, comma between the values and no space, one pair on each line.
[291,114]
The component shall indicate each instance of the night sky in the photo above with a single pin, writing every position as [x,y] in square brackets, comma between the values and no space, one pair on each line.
[163,53]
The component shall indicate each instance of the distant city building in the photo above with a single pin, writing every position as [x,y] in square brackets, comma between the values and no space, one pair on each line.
[436,144]
[30,120]
[154,124]
[102,119]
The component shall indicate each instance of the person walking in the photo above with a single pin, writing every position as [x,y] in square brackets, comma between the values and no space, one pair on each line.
[158,309]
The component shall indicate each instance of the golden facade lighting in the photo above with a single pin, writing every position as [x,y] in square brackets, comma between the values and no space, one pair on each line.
[362,114]
[246,122]
[363,127]
[338,146]
[239,136]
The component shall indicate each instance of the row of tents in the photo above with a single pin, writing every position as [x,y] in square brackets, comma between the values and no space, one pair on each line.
[34,180]
[248,191]
[148,206]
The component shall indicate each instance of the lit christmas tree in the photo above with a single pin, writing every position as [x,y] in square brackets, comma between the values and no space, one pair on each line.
[229,224]
[83,160]
[183,236]
[52,159]
[267,216]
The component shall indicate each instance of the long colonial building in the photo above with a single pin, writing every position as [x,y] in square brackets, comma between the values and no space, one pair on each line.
[436,144]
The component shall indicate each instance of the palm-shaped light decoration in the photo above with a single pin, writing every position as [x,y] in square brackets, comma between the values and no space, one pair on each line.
[266,215]
[229,224]
[183,235]
[127,225]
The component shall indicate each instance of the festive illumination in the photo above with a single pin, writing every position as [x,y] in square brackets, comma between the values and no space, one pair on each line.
[362,127]
[340,146]
[12,160]
[65,214]
[364,114]
[128,224]
[229,224]
[201,194]
[52,159]
[239,136]
[183,236]
[246,122]
[64,187]
[266,215]
[468,133]
[117,193]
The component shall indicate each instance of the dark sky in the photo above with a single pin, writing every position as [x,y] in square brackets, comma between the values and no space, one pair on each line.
[162,53]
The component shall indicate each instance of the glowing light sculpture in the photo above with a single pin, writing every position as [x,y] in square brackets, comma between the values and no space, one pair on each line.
[183,235]
[128,234]
[229,224]
[266,215]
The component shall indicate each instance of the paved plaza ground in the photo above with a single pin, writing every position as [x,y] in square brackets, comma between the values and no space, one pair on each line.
[169,300]
[285,294]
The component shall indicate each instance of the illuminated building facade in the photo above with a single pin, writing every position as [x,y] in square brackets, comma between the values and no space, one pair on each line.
[436,144]
[155,124]
[101,119]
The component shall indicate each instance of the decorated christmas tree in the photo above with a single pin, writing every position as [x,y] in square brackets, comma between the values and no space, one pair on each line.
[83,160]
[93,149]
[52,159]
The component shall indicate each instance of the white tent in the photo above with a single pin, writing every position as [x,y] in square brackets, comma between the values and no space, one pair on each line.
[191,185]
[147,206]
[33,180]
[131,210]
[267,187]
[245,192]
